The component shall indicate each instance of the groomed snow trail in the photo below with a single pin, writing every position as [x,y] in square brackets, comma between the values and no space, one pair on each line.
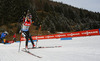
[77,49]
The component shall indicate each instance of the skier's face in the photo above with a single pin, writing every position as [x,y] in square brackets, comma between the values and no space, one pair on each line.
[28,19]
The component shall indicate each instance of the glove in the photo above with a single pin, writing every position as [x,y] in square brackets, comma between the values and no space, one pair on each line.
[19,31]
[23,35]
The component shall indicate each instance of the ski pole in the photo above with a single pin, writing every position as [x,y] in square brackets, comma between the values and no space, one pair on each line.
[38,34]
[20,43]
[36,43]
[19,46]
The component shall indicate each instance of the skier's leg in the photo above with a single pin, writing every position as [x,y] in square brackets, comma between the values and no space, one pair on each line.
[31,40]
[26,42]
[26,36]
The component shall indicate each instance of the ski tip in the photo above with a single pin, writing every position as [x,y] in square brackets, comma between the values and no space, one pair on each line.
[39,57]
[59,46]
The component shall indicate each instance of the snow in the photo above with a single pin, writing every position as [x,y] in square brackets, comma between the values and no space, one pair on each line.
[77,49]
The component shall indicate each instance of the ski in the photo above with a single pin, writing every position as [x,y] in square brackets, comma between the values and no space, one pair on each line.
[32,54]
[45,47]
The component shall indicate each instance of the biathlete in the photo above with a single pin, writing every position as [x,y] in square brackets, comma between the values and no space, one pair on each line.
[27,21]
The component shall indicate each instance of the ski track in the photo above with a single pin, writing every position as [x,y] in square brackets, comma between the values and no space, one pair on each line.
[77,49]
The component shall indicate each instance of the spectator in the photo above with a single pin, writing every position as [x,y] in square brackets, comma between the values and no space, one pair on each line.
[14,37]
[2,38]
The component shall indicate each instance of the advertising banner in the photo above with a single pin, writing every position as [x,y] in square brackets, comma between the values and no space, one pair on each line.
[66,35]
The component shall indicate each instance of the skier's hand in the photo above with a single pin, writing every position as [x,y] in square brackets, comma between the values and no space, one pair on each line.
[32,21]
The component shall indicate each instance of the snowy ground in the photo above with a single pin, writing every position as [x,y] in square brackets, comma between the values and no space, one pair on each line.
[78,49]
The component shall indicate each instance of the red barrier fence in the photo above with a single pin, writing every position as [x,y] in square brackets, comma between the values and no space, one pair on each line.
[10,41]
[64,35]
